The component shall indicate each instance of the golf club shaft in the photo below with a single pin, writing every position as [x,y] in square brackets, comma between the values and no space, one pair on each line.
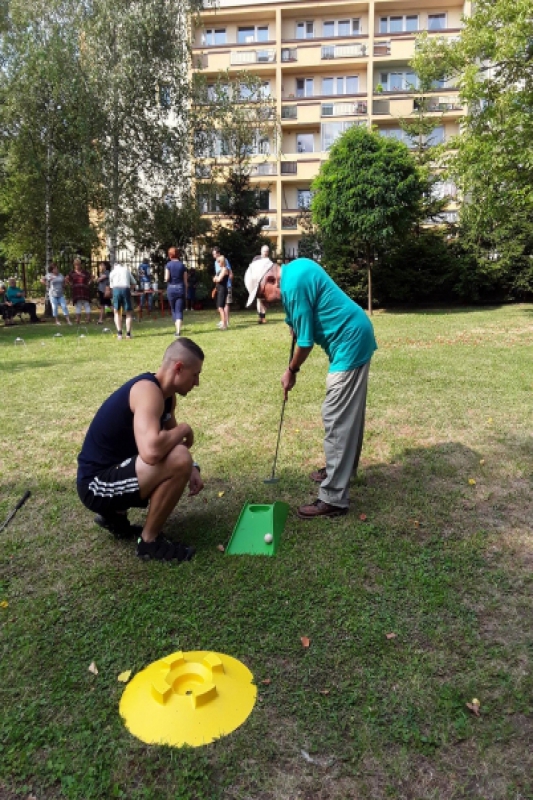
[293,343]
[19,505]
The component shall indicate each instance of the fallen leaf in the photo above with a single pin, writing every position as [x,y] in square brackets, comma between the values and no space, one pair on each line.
[297,430]
[221,547]
[471,481]
[490,420]
[4,604]
[305,641]
[474,706]
[267,681]
[391,635]
[416,523]
[221,494]
[124,676]
[482,461]
[324,691]
[362,516]
[93,668]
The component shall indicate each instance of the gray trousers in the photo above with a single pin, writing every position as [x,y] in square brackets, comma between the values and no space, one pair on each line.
[343,414]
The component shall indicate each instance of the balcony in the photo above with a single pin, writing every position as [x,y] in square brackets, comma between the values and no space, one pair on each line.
[289,167]
[289,112]
[289,223]
[344,109]
[267,168]
[289,54]
[330,51]
[245,57]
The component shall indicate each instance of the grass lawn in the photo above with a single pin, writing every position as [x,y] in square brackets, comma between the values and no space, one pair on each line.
[442,558]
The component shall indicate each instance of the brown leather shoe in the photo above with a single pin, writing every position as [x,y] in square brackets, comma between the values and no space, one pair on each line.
[320,509]
[319,475]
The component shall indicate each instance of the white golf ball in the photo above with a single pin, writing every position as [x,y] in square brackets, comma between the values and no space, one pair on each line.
[269,538]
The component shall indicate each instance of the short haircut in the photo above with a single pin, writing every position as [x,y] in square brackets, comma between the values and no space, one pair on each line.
[216,249]
[183,349]
[173,252]
[265,247]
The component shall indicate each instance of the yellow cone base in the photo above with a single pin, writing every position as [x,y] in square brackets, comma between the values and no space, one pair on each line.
[188,699]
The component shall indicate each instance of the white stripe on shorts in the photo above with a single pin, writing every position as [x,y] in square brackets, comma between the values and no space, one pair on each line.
[102,489]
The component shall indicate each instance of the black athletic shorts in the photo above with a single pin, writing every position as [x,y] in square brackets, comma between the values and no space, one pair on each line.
[112,489]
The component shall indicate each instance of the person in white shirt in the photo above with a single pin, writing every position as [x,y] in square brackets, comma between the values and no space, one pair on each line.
[121,280]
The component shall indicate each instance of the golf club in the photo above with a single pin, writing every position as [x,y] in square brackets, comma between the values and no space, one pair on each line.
[19,505]
[272,478]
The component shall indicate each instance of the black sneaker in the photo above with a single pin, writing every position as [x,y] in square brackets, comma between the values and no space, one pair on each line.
[162,549]
[119,525]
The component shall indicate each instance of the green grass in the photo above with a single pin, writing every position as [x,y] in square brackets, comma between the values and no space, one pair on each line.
[443,564]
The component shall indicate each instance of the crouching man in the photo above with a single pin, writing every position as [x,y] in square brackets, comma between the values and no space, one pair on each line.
[136,455]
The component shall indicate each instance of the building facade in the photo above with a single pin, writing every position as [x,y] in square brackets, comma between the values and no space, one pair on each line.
[327,64]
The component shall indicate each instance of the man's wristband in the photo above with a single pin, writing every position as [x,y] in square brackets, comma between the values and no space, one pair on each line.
[196,465]
[294,371]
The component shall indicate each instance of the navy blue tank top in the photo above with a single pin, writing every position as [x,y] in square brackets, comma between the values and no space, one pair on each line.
[110,439]
[176,270]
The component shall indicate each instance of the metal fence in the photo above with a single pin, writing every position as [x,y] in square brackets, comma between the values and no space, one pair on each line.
[28,272]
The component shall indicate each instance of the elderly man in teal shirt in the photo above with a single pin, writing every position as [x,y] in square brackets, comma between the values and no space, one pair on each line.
[319,312]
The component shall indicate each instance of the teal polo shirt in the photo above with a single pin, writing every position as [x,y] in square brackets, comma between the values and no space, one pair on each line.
[321,313]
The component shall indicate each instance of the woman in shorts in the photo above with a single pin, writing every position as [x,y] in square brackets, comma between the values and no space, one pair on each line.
[221,281]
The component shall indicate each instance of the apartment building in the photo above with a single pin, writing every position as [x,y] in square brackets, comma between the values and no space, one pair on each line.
[327,64]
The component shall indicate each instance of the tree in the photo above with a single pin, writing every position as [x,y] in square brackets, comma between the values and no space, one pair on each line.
[49,179]
[366,196]
[235,132]
[492,159]
[137,57]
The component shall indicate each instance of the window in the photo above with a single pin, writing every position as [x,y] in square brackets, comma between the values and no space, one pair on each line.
[394,133]
[252,34]
[331,132]
[341,27]
[305,30]
[304,198]
[398,24]
[436,136]
[263,199]
[399,81]
[214,36]
[348,85]
[304,87]
[436,22]
[444,189]
[305,143]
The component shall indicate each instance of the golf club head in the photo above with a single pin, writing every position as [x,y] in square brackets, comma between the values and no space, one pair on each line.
[271,480]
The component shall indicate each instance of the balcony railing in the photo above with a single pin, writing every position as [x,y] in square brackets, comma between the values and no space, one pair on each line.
[267,168]
[289,223]
[441,104]
[289,54]
[381,107]
[253,57]
[289,112]
[343,51]
[343,109]
[289,167]
[382,48]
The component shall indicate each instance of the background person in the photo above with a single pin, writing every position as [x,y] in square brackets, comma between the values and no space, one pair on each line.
[145,278]
[121,280]
[221,284]
[16,303]
[136,454]
[55,283]
[260,305]
[229,295]
[319,312]
[104,290]
[176,278]
[80,280]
